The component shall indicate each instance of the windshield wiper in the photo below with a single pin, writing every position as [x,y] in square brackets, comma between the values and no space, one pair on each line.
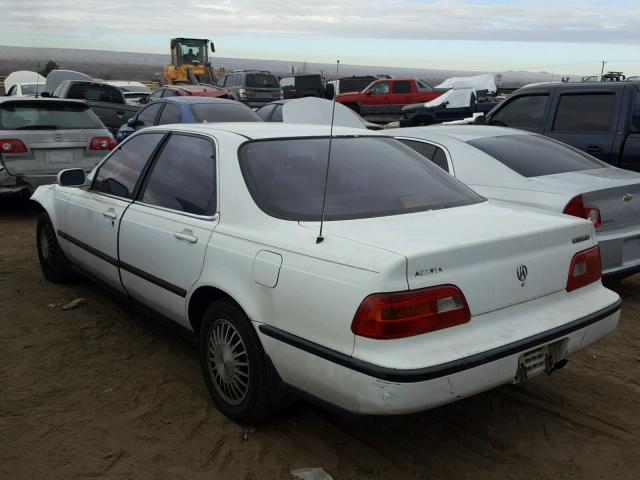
[38,127]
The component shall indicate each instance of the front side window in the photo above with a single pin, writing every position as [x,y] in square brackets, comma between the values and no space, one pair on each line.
[401,86]
[525,112]
[170,114]
[286,179]
[535,155]
[148,115]
[584,112]
[120,173]
[184,176]
[380,88]
[44,115]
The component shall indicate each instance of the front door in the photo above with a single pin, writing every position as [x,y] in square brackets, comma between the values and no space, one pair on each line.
[165,232]
[378,99]
[94,214]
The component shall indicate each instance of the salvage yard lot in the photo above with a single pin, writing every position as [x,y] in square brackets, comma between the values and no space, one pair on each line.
[104,391]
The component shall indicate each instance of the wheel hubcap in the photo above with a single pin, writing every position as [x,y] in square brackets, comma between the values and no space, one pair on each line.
[228,362]
[46,243]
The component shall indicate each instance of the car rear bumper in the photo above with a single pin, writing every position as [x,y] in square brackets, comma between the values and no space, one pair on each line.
[15,184]
[620,252]
[366,388]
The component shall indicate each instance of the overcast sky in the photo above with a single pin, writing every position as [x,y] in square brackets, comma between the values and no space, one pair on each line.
[562,36]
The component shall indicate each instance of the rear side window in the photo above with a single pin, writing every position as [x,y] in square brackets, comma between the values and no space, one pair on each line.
[223,112]
[99,93]
[42,115]
[170,114]
[184,176]
[584,112]
[535,155]
[427,150]
[401,87]
[525,112]
[286,179]
[262,80]
[119,174]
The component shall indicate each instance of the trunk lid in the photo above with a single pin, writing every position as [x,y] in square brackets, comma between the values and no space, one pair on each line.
[50,151]
[615,192]
[479,248]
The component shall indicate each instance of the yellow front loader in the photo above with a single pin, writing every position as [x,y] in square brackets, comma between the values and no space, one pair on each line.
[190,62]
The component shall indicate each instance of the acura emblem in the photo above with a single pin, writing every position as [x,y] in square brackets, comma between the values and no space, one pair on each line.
[58,137]
[627,197]
[521,272]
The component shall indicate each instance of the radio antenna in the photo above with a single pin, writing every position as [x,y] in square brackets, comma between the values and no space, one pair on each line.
[37,79]
[320,238]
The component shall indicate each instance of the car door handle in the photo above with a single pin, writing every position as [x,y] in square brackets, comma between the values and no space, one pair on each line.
[594,149]
[186,235]
[111,214]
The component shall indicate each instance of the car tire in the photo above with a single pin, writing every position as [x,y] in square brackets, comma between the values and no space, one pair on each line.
[53,262]
[234,364]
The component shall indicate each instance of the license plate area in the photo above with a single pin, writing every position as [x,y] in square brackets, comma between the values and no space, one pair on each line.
[545,358]
[59,155]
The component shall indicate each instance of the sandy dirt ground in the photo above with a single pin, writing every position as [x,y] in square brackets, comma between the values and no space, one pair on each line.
[102,391]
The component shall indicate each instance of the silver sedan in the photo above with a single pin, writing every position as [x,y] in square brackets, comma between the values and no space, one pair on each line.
[528,169]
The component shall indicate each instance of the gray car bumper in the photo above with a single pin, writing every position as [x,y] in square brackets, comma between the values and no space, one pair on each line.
[16,184]
[620,252]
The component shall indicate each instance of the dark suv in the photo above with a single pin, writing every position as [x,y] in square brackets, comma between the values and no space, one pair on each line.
[600,118]
[253,87]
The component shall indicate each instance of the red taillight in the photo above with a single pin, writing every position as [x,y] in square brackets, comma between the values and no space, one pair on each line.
[102,143]
[12,145]
[585,268]
[576,208]
[402,314]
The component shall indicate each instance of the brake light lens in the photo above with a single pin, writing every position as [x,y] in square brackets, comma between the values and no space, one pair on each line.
[576,208]
[404,314]
[12,145]
[102,143]
[585,268]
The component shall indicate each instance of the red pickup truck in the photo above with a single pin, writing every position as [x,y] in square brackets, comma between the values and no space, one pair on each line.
[387,97]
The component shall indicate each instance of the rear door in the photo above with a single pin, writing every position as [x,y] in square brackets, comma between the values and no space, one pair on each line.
[94,213]
[630,148]
[587,119]
[164,234]
[400,96]
[56,135]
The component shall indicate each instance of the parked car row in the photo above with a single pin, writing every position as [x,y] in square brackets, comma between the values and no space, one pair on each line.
[382,272]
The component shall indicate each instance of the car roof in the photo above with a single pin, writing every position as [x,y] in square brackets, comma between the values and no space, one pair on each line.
[463,133]
[42,99]
[192,88]
[192,100]
[259,130]
[585,85]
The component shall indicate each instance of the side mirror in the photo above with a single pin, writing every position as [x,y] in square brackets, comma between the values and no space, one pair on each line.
[480,119]
[213,47]
[72,177]
[132,122]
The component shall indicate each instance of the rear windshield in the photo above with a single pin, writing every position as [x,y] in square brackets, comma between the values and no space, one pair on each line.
[368,177]
[100,93]
[223,113]
[47,116]
[262,80]
[535,155]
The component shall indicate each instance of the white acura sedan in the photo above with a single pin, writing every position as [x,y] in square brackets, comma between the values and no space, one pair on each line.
[530,169]
[419,292]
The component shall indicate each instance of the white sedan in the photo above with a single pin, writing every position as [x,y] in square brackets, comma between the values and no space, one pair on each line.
[418,293]
[529,169]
